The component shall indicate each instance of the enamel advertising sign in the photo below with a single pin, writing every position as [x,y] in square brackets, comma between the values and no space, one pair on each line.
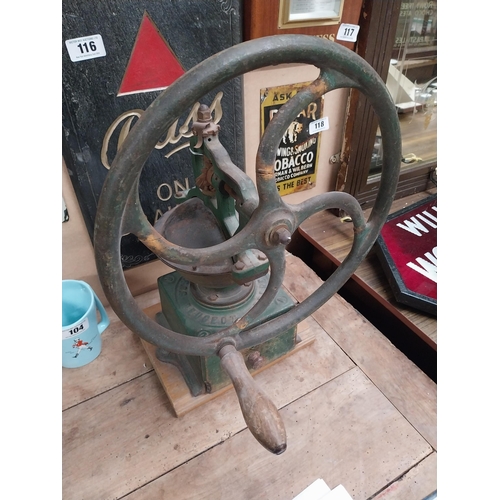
[296,161]
[407,248]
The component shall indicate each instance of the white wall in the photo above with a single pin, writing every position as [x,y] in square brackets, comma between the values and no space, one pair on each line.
[78,260]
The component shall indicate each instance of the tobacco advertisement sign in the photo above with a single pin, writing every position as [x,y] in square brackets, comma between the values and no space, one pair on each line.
[296,162]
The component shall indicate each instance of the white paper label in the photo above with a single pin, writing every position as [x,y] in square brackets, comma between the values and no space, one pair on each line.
[76,330]
[87,47]
[318,125]
[348,32]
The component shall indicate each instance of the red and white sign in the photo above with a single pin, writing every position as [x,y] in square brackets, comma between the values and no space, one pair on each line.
[408,250]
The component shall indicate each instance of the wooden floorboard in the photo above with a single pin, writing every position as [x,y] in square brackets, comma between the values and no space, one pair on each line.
[357,413]
[411,484]
[409,389]
[122,358]
[345,432]
[333,237]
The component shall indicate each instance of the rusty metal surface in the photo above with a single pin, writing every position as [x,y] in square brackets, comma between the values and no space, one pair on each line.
[193,225]
[267,220]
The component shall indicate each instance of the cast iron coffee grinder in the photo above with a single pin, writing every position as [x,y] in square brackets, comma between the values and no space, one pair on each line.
[224,311]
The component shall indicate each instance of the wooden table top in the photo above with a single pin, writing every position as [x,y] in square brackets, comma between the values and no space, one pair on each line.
[333,238]
[356,410]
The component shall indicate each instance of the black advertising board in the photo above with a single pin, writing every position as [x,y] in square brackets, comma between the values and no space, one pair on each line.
[117,57]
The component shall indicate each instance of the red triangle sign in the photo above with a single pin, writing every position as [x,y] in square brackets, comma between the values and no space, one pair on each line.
[152,65]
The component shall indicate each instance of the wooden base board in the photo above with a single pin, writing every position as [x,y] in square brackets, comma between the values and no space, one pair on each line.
[173,382]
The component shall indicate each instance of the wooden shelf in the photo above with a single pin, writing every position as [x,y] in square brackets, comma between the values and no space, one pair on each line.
[325,241]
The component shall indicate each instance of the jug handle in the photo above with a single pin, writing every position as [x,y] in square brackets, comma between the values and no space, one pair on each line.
[104,323]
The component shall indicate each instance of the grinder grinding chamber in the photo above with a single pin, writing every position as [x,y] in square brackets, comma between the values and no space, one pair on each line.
[264,222]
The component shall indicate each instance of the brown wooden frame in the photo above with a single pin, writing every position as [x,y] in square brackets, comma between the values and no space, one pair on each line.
[261,18]
[378,23]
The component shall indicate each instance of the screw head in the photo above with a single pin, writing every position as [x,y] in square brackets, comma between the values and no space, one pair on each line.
[261,256]
[255,360]
[204,114]
[281,235]
[239,265]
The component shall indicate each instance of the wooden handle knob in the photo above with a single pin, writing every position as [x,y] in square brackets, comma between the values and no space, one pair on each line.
[259,412]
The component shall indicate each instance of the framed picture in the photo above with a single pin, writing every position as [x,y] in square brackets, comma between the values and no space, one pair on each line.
[304,13]
[321,18]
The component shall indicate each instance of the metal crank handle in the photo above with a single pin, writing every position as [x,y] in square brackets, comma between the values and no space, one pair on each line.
[259,412]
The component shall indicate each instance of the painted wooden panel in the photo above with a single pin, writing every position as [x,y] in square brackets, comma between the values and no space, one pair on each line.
[145,46]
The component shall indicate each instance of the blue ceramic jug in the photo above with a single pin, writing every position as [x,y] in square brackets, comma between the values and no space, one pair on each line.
[81,332]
